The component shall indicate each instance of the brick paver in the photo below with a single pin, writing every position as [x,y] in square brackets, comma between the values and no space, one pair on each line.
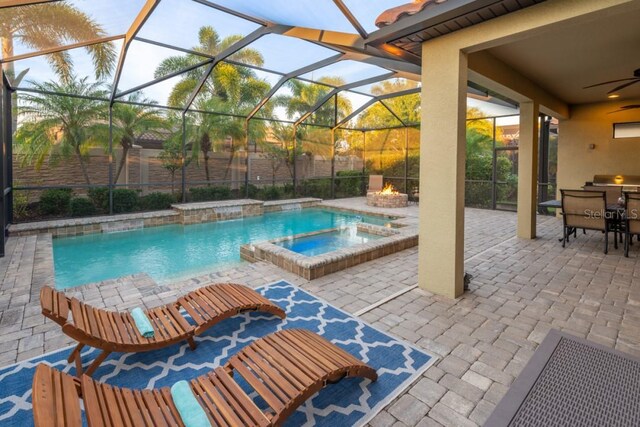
[520,290]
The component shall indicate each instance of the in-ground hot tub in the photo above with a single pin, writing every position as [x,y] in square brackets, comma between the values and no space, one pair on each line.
[315,254]
[389,197]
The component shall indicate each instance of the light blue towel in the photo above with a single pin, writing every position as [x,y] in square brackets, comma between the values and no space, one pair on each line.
[188,406]
[142,322]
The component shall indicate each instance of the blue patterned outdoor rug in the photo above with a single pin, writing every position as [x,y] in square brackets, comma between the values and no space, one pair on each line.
[350,402]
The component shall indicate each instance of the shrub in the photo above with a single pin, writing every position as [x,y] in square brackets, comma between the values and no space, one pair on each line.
[55,201]
[320,188]
[253,191]
[81,206]
[124,200]
[271,193]
[20,204]
[100,198]
[157,201]
[349,183]
[205,194]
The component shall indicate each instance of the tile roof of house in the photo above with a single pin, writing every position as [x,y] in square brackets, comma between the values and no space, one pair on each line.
[393,15]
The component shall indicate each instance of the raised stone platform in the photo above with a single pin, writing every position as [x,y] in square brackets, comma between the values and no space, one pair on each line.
[290,204]
[195,213]
[386,200]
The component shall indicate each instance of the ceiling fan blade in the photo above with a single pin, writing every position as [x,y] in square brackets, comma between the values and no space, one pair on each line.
[609,82]
[615,89]
[626,108]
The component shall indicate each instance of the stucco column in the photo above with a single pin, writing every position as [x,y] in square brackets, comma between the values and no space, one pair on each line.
[442,169]
[528,169]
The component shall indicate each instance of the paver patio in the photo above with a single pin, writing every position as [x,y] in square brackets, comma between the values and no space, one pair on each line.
[520,290]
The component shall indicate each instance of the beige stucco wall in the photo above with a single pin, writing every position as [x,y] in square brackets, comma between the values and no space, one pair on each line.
[592,124]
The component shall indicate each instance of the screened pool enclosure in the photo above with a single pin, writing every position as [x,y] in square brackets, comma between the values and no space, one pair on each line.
[112,106]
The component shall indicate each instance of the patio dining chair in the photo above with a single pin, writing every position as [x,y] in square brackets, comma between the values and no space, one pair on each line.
[111,331]
[284,369]
[375,183]
[631,219]
[613,192]
[585,210]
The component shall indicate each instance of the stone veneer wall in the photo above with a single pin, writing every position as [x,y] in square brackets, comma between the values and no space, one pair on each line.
[92,225]
[292,204]
[195,213]
[379,200]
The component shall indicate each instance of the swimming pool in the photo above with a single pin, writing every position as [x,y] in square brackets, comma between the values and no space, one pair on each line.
[322,243]
[175,251]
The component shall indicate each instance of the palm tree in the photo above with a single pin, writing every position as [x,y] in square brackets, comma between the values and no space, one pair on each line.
[43,26]
[59,126]
[227,81]
[205,129]
[131,121]
[304,96]
[231,90]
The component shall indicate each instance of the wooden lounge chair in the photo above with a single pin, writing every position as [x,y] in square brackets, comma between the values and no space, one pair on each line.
[284,368]
[116,331]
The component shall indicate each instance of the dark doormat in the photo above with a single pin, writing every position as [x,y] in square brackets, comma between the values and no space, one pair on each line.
[570,381]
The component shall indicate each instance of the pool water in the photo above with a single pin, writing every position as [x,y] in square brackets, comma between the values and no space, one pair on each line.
[326,242]
[177,251]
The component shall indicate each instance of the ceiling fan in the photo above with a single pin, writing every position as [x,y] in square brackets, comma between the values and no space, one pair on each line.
[626,108]
[628,82]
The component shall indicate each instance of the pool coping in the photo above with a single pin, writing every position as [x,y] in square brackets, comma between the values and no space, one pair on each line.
[313,267]
[181,213]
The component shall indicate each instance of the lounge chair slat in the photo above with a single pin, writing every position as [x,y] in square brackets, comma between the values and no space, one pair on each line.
[106,328]
[233,401]
[132,407]
[122,328]
[154,410]
[220,301]
[59,402]
[258,385]
[289,369]
[268,374]
[116,417]
[319,356]
[296,357]
[91,402]
[328,361]
[134,334]
[245,406]
[166,396]
[142,405]
[178,317]
[102,403]
[164,408]
[202,390]
[192,308]
[123,407]
[216,398]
